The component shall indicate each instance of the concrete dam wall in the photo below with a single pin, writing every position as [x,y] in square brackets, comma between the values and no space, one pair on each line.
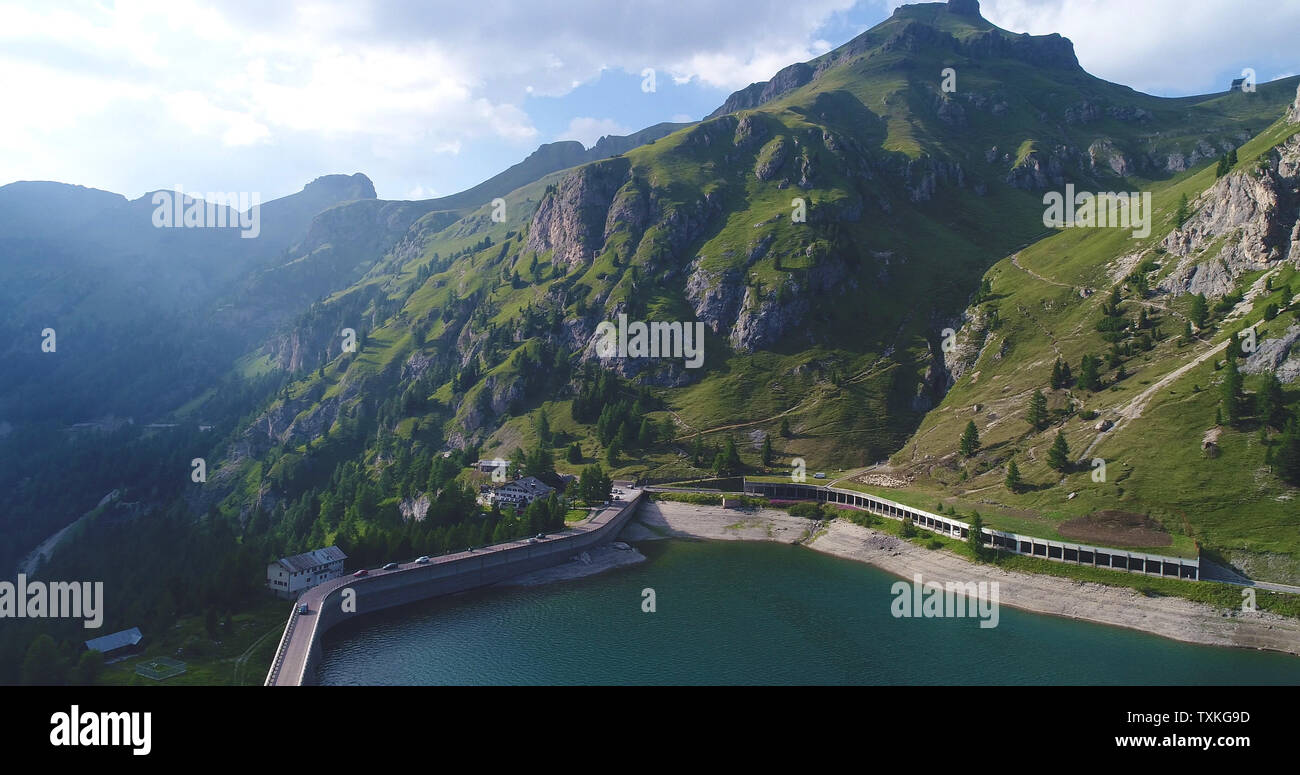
[300,646]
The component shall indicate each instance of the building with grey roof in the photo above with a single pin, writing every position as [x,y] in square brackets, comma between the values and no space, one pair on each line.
[289,576]
[117,645]
[521,492]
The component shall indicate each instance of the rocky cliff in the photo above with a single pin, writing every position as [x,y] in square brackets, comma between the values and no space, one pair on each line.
[1250,215]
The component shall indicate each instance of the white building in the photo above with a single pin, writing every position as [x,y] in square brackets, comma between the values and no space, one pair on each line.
[289,576]
[520,492]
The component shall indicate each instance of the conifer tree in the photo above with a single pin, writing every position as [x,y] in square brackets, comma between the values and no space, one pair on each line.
[970,440]
[1199,310]
[975,537]
[1058,457]
[1037,415]
[1013,480]
[1184,211]
[1231,391]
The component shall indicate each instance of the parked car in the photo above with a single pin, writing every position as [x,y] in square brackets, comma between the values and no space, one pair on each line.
[819,475]
[423,559]
[540,536]
[360,573]
[392,566]
[302,608]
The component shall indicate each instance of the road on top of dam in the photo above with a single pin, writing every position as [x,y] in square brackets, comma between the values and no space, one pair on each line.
[296,645]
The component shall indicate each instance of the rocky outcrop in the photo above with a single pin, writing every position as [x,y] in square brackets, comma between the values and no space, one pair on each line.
[712,134]
[769,314]
[964,7]
[1103,160]
[1293,115]
[1104,156]
[1088,111]
[764,318]
[786,80]
[1280,355]
[1041,170]
[629,212]
[950,111]
[315,339]
[1177,161]
[807,169]
[680,225]
[1128,113]
[414,509]
[743,99]
[772,158]
[922,177]
[1252,213]
[481,408]
[310,425]
[751,129]
[1049,51]
[969,342]
[1084,113]
[713,295]
[417,364]
[570,221]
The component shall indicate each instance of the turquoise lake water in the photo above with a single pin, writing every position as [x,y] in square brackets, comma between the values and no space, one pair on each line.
[753,613]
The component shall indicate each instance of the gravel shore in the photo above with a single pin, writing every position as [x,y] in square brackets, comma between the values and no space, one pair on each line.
[598,560]
[1170,617]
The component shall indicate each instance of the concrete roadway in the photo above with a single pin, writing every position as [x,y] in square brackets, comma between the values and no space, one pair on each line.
[1212,571]
[298,641]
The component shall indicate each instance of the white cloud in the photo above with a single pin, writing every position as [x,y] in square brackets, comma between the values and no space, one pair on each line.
[387,80]
[210,79]
[409,91]
[421,192]
[1162,46]
[734,70]
[195,111]
[588,130]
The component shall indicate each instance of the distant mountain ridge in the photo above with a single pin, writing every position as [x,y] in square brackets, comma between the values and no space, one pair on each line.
[548,158]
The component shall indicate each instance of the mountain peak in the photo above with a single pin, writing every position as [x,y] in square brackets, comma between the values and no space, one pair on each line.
[344,187]
[920,32]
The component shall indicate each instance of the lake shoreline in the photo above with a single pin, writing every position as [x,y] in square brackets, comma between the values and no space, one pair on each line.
[1170,617]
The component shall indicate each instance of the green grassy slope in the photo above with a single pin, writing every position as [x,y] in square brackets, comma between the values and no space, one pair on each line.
[913,196]
[1232,504]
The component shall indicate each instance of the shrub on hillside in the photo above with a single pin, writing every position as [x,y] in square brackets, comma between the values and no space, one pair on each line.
[807,510]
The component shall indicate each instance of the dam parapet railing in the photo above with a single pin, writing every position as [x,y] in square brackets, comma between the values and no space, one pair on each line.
[344,598]
[1016,543]
[278,662]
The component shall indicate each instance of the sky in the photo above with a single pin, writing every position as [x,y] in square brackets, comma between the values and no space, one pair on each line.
[430,98]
